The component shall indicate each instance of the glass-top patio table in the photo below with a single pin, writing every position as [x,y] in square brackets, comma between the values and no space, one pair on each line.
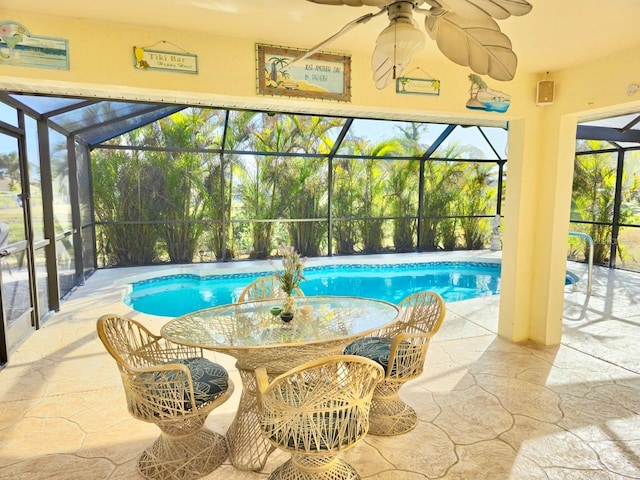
[256,338]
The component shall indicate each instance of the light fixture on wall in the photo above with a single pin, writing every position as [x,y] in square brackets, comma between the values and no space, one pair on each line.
[633,88]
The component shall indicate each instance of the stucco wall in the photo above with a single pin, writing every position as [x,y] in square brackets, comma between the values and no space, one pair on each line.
[101,61]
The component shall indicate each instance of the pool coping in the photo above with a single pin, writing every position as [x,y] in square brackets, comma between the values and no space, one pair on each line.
[260,266]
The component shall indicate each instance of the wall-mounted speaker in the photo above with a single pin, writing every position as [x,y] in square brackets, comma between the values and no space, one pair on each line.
[545,92]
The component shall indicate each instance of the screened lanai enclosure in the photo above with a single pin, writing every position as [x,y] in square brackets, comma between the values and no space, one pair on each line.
[207,185]
[91,183]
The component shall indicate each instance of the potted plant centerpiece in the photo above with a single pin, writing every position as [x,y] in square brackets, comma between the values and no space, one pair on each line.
[290,276]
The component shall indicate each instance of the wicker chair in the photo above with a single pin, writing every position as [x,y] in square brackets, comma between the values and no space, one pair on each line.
[315,411]
[263,288]
[401,349]
[174,387]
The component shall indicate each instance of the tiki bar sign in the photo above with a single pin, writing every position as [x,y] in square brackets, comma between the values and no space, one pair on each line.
[148,59]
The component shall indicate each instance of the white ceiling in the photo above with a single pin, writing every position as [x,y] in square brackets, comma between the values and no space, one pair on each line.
[556,34]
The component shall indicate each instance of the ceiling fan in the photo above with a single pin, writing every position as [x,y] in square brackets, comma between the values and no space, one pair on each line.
[464,30]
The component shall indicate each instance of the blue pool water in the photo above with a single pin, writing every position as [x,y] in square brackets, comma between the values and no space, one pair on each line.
[177,295]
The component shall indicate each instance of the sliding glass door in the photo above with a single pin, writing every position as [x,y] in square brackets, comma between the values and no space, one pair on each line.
[16,273]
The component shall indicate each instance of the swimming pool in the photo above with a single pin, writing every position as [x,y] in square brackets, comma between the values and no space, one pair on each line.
[176,295]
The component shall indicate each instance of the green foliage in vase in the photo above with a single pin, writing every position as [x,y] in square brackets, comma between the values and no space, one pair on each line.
[292,269]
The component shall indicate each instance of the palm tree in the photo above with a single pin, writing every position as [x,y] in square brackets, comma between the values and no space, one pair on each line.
[374,206]
[276,69]
[305,180]
[260,176]
[240,127]
[477,85]
[182,191]
[402,187]
[346,201]
[442,188]
[124,191]
[474,200]
[593,198]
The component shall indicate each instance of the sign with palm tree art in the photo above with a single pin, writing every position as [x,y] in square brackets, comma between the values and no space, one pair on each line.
[325,76]
[481,97]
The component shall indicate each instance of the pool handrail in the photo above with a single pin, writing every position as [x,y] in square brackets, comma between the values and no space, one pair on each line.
[589,240]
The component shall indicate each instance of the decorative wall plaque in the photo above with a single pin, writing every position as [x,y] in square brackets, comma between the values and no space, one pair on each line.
[19,47]
[323,75]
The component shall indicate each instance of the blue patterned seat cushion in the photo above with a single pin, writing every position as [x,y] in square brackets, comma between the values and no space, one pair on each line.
[374,348]
[378,349]
[209,381]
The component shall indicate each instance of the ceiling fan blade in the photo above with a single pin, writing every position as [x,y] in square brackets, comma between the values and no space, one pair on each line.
[476,43]
[382,67]
[354,3]
[516,8]
[499,9]
[352,24]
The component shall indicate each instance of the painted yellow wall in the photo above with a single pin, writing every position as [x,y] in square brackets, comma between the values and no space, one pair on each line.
[101,62]
[541,156]
[541,139]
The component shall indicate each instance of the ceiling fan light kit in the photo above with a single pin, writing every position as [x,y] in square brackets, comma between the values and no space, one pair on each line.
[464,30]
[400,41]
[396,45]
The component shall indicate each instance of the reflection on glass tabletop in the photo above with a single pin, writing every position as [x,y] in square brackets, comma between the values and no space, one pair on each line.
[251,324]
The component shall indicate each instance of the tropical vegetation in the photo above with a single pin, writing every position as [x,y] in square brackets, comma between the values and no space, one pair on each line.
[206,184]
[595,204]
[172,191]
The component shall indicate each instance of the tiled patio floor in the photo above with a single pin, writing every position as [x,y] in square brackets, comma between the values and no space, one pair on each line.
[487,408]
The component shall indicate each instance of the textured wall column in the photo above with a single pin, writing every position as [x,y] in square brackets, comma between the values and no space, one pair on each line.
[541,152]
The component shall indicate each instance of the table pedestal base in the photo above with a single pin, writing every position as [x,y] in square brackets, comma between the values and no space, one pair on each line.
[248,448]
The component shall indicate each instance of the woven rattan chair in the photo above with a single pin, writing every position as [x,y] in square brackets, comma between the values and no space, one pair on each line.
[315,411]
[265,287]
[401,349]
[174,387]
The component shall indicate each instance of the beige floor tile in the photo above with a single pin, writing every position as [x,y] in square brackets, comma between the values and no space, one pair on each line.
[490,460]
[33,437]
[63,467]
[520,397]
[549,445]
[426,450]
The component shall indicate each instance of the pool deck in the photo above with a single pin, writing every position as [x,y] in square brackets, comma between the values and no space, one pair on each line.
[487,408]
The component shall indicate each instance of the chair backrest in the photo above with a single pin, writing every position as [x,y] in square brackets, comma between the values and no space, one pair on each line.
[130,343]
[157,386]
[422,312]
[264,288]
[321,406]
[421,315]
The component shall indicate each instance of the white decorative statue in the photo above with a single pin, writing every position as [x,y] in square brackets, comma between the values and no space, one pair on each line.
[496,244]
